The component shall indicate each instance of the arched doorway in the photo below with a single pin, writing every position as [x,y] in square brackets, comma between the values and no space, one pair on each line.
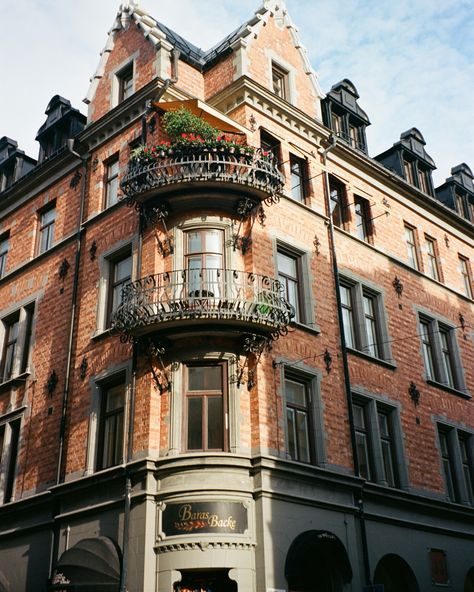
[469,581]
[317,561]
[92,565]
[395,574]
[206,580]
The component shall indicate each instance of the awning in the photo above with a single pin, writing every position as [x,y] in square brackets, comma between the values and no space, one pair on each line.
[311,553]
[91,564]
[213,116]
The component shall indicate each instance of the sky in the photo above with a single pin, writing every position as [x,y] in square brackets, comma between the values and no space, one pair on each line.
[412,61]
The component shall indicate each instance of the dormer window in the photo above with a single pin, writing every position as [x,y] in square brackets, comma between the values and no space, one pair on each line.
[423,181]
[280,81]
[408,170]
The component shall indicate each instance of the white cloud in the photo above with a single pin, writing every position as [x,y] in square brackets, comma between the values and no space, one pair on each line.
[412,61]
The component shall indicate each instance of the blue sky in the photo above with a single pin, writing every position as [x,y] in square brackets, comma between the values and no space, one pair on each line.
[412,61]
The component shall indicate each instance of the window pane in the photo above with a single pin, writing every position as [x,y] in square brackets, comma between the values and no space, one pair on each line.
[363,455]
[115,398]
[302,436]
[295,392]
[194,242]
[370,325]
[215,423]
[213,241]
[447,465]
[287,265]
[291,429]
[205,378]
[427,350]
[195,423]
[446,357]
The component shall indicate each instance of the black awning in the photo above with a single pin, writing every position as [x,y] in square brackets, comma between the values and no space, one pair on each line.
[313,551]
[91,562]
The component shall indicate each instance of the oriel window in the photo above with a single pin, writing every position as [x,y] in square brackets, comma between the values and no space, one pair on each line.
[204,261]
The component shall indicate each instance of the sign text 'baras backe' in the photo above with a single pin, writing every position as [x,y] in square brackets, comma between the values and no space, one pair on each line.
[222,517]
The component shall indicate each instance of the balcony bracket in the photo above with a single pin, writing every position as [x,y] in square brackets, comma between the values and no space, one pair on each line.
[155,352]
[253,347]
[155,217]
[246,209]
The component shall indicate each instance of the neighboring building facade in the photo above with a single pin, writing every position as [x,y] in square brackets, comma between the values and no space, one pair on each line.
[281,397]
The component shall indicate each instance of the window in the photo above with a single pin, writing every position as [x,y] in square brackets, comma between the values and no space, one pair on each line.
[298,420]
[465,268]
[336,123]
[363,223]
[338,202]
[125,83]
[440,353]
[288,275]
[16,330]
[9,440]
[298,168]
[460,205]
[457,465]
[354,136]
[270,144]
[4,246]
[408,170]
[46,229]
[120,274]
[206,412]
[378,446]
[111,426]
[423,180]
[280,79]
[412,247]
[204,258]
[433,262]
[364,320]
[111,182]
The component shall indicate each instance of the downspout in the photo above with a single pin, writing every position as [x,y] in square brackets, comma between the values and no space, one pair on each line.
[79,236]
[345,362]
[175,53]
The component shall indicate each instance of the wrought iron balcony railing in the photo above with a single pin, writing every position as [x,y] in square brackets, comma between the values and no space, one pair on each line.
[220,294]
[252,170]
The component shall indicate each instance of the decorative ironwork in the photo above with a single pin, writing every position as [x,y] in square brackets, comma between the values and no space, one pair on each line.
[245,208]
[327,361]
[93,250]
[74,183]
[261,216]
[462,321]
[386,203]
[155,216]
[414,393]
[398,286]
[52,382]
[317,244]
[446,240]
[253,170]
[253,346]
[209,293]
[63,268]
[83,368]
[155,352]
[252,122]
[95,164]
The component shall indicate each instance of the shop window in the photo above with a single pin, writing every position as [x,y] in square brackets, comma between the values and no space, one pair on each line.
[9,440]
[412,246]
[364,322]
[433,269]
[4,247]
[280,81]
[47,219]
[16,330]
[378,445]
[299,167]
[466,275]
[456,452]
[338,203]
[111,182]
[363,219]
[206,406]
[440,353]
[110,442]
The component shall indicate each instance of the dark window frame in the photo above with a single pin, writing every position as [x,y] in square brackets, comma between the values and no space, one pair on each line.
[297,454]
[280,81]
[466,275]
[4,249]
[338,203]
[269,143]
[10,461]
[299,170]
[111,181]
[46,228]
[125,79]
[113,283]
[205,395]
[285,279]
[363,219]
[413,246]
[113,417]
[432,253]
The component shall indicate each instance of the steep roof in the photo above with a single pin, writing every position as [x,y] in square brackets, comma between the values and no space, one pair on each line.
[156,32]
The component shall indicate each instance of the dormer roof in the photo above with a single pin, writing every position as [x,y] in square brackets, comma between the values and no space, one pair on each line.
[413,143]
[345,93]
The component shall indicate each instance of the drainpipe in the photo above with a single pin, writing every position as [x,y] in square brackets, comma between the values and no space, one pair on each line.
[345,363]
[175,53]
[79,238]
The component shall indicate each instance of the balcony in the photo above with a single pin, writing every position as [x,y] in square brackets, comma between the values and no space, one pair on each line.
[189,300]
[220,176]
